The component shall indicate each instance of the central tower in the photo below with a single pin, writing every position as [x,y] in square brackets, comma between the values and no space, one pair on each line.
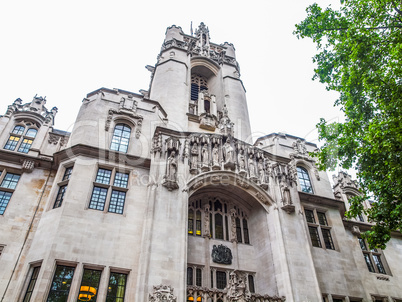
[198,84]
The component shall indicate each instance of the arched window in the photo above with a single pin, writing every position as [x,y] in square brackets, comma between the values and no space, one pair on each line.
[121,138]
[198,84]
[304,180]
[251,284]
[189,276]
[17,136]
[216,222]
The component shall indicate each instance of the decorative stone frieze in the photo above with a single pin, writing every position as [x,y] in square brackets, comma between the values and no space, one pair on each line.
[162,293]
[237,289]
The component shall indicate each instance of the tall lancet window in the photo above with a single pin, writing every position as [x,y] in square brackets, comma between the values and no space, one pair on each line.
[121,138]
[198,84]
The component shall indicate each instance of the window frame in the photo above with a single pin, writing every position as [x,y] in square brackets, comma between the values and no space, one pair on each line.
[66,265]
[63,186]
[118,139]
[319,228]
[303,180]
[109,200]
[372,254]
[23,141]
[7,190]
[113,271]
[27,286]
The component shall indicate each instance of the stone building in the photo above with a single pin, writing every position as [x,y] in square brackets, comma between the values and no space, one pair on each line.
[162,196]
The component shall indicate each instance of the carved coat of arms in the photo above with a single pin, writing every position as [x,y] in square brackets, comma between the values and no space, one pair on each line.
[221,254]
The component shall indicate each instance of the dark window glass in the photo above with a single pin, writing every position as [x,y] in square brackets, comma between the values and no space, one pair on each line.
[103,176]
[337,300]
[116,288]
[191,222]
[117,200]
[10,181]
[304,180]
[198,224]
[362,244]
[378,263]
[194,91]
[218,226]
[89,285]
[25,145]
[251,284]
[189,276]
[19,130]
[245,231]
[220,280]
[61,283]
[98,198]
[315,240]
[368,262]
[238,230]
[60,196]
[31,132]
[121,138]
[218,206]
[4,199]
[12,142]
[322,219]
[210,224]
[121,180]
[67,173]
[226,228]
[326,234]
[212,279]
[31,285]
[361,218]
[198,277]
[309,216]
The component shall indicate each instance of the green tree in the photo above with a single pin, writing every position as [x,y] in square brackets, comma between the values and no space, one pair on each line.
[360,56]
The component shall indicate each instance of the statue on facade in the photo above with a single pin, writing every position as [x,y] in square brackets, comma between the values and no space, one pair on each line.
[205,157]
[228,153]
[233,234]
[215,157]
[251,166]
[237,289]
[170,178]
[261,173]
[286,199]
[194,158]
[206,221]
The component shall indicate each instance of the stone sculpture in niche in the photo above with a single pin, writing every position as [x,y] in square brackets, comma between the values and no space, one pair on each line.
[194,159]
[233,216]
[242,163]
[228,153]
[170,178]
[261,173]
[215,157]
[287,204]
[221,254]
[205,158]
[251,167]
[206,221]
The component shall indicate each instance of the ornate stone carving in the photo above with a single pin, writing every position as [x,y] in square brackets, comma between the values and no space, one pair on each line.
[206,221]
[221,254]
[215,157]
[228,154]
[28,165]
[261,197]
[125,112]
[355,230]
[241,163]
[194,159]
[205,158]
[225,125]
[242,184]
[157,143]
[345,180]
[170,178]
[251,168]
[262,174]
[162,293]
[237,288]
[233,234]
[197,185]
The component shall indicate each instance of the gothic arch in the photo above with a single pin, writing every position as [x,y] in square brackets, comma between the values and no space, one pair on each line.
[230,182]
[204,66]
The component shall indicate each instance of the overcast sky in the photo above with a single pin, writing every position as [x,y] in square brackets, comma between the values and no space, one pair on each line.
[66,49]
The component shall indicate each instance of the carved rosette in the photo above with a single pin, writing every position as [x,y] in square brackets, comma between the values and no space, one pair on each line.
[162,293]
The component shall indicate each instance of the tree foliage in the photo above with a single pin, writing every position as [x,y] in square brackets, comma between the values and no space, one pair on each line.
[360,56]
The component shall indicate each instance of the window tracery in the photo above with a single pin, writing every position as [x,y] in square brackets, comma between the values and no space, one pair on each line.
[22,136]
[222,219]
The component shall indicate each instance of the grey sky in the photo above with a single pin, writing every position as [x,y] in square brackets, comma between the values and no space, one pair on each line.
[64,50]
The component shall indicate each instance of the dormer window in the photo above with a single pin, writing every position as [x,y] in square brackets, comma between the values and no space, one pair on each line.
[17,136]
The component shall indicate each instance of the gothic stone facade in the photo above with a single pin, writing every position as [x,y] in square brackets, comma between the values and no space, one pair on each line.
[161,196]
